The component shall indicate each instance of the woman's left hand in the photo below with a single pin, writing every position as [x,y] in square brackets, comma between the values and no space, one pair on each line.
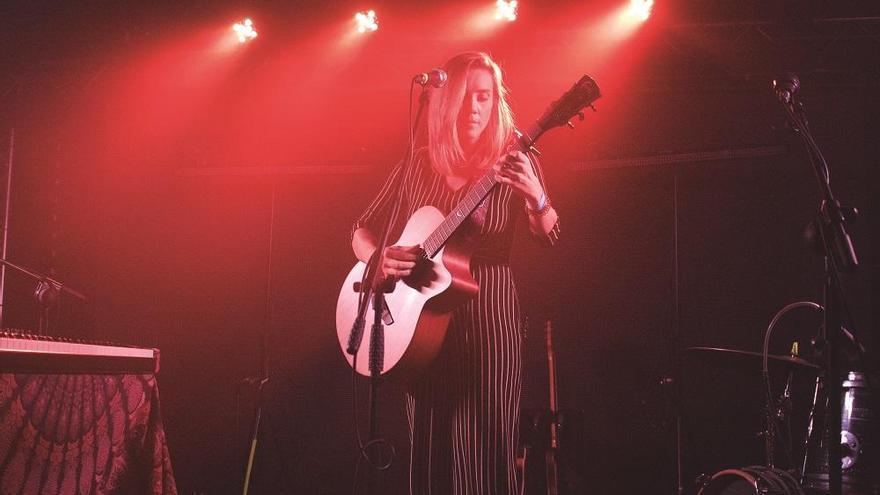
[516,170]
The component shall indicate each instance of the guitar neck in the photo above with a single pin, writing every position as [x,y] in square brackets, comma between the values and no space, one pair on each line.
[474,197]
[458,214]
[581,95]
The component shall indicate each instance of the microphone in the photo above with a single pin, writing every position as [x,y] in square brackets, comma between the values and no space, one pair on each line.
[436,78]
[786,85]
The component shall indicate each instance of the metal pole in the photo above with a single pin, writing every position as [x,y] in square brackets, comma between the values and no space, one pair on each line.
[6,220]
[264,347]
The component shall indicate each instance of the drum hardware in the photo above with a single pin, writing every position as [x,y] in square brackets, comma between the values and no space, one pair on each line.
[757,480]
[768,479]
[851,449]
[860,460]
[777,408]
[785,362]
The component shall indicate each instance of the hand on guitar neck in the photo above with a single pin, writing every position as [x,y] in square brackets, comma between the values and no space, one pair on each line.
[515,169]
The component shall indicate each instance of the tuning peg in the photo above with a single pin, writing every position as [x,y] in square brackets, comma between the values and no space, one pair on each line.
[593,107]
[581,115]
[570,125]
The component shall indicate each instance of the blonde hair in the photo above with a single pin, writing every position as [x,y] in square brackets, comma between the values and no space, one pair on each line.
[445,104]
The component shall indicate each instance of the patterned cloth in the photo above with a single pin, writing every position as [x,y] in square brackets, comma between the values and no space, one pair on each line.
[463,414]
[91,434]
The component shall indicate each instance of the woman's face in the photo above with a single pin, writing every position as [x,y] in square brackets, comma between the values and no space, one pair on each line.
[476,109]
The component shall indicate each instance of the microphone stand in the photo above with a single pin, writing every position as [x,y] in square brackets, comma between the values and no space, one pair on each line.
[47,289]
[372,273]
[372,291]
[840,257]
[57,285]
[5,238]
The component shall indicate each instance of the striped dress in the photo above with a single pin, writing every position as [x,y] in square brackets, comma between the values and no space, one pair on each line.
[464,412]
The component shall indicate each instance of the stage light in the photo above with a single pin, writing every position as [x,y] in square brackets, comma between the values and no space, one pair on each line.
[366,21]
[640,9]
[506,10]
[245,30]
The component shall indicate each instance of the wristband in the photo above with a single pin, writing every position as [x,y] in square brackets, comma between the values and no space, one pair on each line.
[543,206]
[542,202]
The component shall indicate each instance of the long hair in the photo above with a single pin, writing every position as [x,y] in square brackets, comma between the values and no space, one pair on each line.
[445,104]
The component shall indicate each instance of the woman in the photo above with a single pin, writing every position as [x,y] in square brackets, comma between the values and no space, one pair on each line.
[463,413]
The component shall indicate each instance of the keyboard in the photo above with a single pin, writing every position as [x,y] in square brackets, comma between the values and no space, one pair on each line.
[21,352]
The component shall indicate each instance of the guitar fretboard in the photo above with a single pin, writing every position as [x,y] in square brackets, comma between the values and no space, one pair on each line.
[452,221]
[472,199]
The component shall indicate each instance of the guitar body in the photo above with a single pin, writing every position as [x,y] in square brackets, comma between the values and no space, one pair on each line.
[421,305]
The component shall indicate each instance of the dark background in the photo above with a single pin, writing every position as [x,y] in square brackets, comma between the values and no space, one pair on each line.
[144,180]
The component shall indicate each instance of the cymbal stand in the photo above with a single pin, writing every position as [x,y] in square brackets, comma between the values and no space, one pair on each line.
[778,409]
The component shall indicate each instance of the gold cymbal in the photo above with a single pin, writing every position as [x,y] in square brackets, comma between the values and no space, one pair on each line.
[793,361]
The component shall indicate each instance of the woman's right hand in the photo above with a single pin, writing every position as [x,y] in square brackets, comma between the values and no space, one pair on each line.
[399,261]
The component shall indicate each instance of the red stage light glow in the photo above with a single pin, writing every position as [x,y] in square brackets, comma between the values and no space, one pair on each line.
[639,9]
[506,10]
[366,21]
[245,30]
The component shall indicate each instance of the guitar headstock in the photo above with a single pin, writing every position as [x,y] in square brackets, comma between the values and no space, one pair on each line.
[571,104]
